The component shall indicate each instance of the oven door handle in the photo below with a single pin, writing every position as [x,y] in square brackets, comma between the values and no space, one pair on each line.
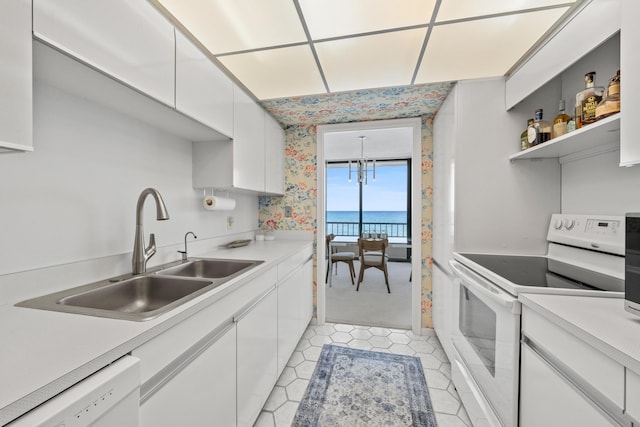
[476,284]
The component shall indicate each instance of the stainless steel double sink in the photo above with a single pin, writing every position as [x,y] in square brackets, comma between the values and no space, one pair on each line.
[147,296]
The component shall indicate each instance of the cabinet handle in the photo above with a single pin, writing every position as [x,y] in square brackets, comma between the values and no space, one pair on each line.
[242,313]
[155,383]
[587,391]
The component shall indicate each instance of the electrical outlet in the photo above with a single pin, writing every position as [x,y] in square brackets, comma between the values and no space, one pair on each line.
[287,211]
[229,222]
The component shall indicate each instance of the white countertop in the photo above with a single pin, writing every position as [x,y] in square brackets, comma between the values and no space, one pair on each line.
[44,352]
[601,322]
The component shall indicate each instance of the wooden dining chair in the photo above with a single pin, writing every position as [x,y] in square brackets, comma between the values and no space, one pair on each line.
[346,257]
[373,254]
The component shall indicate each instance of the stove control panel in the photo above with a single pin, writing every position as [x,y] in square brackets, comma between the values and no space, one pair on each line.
[597,232]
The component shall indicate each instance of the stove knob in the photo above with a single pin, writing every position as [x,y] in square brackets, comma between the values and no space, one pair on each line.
[569,223]
[557,224]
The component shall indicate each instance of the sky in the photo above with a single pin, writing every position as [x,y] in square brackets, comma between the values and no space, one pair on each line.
[387,193]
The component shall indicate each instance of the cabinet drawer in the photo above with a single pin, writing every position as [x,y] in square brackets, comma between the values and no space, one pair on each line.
[633,394]
[288,265]
[592,366]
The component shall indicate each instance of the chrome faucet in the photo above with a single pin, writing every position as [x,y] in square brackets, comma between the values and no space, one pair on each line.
[184,253]
[141,254]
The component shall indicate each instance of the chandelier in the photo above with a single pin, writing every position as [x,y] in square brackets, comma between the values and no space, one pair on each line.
[364,167]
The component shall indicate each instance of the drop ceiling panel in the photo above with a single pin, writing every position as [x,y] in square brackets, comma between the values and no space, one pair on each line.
[332,18]
[230,26]
[496,45]
[459,9]
[374,61]
[277,73]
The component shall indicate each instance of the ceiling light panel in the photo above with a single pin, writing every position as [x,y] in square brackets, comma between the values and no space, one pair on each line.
[230,26]
[460,9]
[333,18]
[277,73]
[484,47]
[374,61]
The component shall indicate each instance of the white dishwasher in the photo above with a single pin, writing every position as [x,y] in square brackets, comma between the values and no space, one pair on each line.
[108,398]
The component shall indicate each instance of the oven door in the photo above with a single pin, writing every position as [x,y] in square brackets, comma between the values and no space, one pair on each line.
[486,337]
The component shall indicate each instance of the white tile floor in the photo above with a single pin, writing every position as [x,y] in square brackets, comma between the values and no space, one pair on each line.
[286,395]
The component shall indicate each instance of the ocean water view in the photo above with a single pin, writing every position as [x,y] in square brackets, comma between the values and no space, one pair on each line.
[345,223]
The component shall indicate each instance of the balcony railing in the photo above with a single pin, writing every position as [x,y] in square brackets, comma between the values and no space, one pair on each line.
[393,229]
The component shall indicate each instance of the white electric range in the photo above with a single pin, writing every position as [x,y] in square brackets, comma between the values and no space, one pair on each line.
[585,257]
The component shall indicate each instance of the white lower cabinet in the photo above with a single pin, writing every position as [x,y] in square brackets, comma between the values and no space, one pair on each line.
[198,388]
[548,399]
[289,294]
[257,353]
[632,395]
[306,295]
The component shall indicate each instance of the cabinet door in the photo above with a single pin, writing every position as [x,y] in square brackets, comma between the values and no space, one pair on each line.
[202,393]
[16,121]
[248,143]
[127,40]
[629,69]
[547,399]
[274,156]
[288,316]
[257,354]
[203,92]
[306,296]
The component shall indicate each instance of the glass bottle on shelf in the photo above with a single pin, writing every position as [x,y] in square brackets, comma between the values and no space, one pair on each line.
[524,136]
[587,100]
[541,130]
[610,104]
[560,122]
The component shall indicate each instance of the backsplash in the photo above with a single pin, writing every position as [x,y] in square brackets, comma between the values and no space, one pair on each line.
[303,114]
[74,198]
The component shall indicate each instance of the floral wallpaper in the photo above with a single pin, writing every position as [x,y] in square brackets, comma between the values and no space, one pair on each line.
[301,115]
[360,105]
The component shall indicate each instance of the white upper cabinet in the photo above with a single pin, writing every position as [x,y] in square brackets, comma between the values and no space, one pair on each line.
[596,23]
[16,105]
[248,143]
[630,86]
[127,40]
[203,92]
[274,156]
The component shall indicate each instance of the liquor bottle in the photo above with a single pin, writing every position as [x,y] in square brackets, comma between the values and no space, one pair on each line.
[610,104]
[587,100]
[524,136]
[541,129]
[561,120]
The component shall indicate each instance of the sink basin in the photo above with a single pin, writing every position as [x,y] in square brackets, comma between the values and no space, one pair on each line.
[210,268]
[143,297]
[137,298]
[138,295]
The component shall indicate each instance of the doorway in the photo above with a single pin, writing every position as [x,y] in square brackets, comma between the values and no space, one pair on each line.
[393,144]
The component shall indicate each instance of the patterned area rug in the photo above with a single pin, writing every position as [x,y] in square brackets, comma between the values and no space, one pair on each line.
[351,387]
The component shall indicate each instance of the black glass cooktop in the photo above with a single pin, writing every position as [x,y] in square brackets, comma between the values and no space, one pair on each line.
[539,271]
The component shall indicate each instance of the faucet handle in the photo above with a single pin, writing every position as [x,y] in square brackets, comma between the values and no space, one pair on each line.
[151,249]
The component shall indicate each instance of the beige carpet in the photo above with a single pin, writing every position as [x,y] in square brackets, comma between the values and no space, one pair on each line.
[371,305]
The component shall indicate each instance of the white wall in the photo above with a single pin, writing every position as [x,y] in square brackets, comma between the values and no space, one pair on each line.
[500,206]
[74,198]
[597,185]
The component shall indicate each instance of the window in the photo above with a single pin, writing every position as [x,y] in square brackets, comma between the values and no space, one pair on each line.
[380,206]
